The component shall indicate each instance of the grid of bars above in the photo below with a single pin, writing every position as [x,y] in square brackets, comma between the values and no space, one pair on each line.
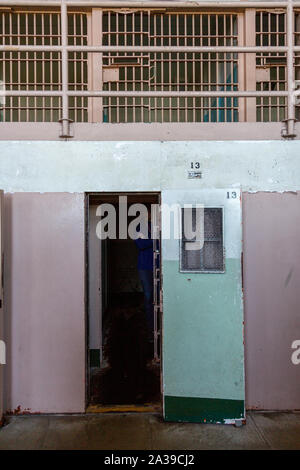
[143,71]
[270,67]
[170,71]
[41,70]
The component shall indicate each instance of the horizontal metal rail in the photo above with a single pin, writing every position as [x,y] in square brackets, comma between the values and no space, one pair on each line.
[177,94]
[148,94]
[151,4]
[149,49]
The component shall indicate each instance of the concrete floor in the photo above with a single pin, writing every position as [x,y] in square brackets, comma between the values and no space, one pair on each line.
[268,430]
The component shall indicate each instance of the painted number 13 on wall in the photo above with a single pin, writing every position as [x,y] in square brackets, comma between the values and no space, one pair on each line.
[195,165]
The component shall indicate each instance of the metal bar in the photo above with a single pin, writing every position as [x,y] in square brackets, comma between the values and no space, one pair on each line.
[64,69]
[177,68]
[269,43]
[28,78]
[43,69]
[250,61]
[297,60]
[118,82]
[96,71]
[90,67]
[72,27]
[126,68]
[153,4]
[35,66]
[209,68]
[148,94]
[19,71]
[290,69]
[241,67]
[11,70]
[185,68]
[51,68]
[108,84]
[277,44]
[155,68]
[180,94]
[149,49]
[193,70]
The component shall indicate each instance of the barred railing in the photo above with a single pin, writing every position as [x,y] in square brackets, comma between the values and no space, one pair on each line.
[225,50]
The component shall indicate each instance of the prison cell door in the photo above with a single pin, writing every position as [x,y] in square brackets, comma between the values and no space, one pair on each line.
[203,352]
[2,344]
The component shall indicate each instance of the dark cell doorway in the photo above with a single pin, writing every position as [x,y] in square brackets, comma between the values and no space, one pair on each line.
[124,353]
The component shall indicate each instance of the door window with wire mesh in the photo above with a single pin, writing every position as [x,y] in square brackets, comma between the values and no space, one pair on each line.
[202,251]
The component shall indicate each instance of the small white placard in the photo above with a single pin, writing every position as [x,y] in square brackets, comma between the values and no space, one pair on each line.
[262,74]
[111,74]
[194,174]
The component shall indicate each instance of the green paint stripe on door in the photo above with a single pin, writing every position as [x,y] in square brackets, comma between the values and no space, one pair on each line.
[202,410]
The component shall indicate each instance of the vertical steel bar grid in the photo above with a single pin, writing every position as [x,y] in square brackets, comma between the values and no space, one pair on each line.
[290,73]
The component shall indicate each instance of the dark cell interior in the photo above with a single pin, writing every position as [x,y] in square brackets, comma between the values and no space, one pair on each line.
[127,373]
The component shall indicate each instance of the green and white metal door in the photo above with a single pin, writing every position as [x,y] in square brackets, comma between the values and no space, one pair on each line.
[203,348]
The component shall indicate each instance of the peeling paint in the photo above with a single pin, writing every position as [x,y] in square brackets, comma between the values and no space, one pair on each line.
[18,411]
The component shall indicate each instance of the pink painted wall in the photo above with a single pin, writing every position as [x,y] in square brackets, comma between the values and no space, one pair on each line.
[44,302]
[272,299]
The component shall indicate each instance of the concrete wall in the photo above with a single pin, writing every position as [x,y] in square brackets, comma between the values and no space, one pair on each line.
[45,248]
[44,302]
[148,166]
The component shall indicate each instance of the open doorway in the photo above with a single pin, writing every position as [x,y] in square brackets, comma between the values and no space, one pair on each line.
[124,307]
